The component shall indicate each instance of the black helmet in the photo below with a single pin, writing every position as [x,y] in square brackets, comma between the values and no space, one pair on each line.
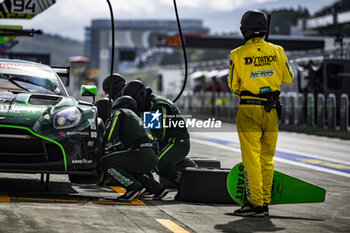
[116,82]
[139,91]
[102,108]
[253,24]
[125,102]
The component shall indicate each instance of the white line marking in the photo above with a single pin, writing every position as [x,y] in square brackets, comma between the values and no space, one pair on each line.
[281,159]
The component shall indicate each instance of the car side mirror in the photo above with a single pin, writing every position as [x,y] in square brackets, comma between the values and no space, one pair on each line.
[88,90]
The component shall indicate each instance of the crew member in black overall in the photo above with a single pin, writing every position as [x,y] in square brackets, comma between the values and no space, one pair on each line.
[174,142]
[112,86]
[129,152]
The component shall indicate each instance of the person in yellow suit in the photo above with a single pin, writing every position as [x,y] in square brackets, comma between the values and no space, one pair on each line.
[256,71]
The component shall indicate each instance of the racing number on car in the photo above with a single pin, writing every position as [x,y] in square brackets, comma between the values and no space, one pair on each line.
[22,5]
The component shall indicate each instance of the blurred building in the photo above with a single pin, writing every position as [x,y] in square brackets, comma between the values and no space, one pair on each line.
[132,39]
[332,20]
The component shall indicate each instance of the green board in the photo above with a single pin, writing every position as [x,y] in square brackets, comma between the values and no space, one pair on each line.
[285,189]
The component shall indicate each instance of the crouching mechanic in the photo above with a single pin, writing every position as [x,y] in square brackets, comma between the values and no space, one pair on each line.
[174,142]
[256,71]
[130,153]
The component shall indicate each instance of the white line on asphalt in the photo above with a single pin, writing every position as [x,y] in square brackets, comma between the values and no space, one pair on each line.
[312,167]
[283,160]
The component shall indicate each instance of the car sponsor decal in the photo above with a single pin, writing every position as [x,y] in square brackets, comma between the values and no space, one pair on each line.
[90,143]
[16,109]
[92,124]
[93,134]
[8,66]
[81,161]
[77,134]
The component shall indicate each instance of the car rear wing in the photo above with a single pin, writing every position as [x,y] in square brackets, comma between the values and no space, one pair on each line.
[63,72]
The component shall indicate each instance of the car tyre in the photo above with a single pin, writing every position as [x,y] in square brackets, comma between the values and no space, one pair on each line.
[86,179]
[201,162]
[100,132]
[206,162]
[205,185]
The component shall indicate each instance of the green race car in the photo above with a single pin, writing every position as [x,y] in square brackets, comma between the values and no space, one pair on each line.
[42,128]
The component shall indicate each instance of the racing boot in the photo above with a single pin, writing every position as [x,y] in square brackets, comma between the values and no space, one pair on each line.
[130,195]
[266,209]
[161,194]
[250,210]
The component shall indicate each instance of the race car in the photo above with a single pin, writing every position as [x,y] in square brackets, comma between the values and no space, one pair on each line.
[42,128]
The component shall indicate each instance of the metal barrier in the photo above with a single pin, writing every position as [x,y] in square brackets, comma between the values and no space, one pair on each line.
[283,99]
[331,112]
[310,110]
[344,112]
[321,111]
[299,111]
[291,108]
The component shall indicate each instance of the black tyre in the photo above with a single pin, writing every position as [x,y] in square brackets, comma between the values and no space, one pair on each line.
[201,162]
[85,179]
[166,183]
[99,141]
[92,179]
[206,185]
[206,162]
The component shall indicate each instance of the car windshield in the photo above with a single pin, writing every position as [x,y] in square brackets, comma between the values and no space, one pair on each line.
[26,78]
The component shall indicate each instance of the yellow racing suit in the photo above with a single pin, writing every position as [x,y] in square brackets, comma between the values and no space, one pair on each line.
[256,70]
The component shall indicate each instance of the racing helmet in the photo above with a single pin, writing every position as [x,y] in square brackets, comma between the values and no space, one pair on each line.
[125,101]
[253,24]
[116,82]
[137,90]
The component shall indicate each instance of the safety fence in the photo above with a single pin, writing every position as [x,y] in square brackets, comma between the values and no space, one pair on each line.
[308,113]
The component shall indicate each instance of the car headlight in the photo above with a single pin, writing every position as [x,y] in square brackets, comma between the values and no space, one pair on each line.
[67,118]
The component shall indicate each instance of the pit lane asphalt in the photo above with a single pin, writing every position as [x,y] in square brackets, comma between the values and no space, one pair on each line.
[27,207]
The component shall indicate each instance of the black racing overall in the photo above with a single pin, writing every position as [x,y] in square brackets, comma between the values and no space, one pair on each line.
[130,155]
[174,141]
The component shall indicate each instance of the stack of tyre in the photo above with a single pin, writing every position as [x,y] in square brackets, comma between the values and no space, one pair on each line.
[205,183]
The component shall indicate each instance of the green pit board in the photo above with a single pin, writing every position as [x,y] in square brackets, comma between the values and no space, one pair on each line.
[285,189]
